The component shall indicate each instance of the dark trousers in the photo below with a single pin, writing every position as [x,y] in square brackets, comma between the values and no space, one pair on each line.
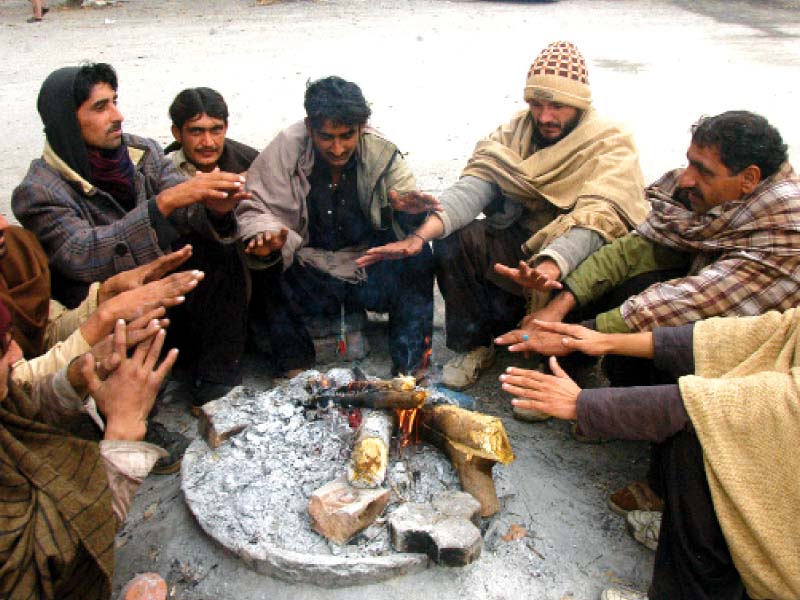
[209,328]
[283,302]
[479,303]
[692,559]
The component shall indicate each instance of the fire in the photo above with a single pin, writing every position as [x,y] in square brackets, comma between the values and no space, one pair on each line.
[426,356]
[407,424]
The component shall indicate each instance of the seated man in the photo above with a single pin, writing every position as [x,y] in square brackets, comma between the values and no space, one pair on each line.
[725,438]
[102,202]
[64,498]
[324,190]
[556,183]
[199,125]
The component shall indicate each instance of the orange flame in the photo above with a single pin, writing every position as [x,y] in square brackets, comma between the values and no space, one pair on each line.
[408,425]
[426,356]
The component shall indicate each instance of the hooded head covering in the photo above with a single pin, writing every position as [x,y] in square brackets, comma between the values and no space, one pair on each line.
[56,106]
[559,74]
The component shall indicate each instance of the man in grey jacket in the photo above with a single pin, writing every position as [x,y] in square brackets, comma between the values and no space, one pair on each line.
[324,190]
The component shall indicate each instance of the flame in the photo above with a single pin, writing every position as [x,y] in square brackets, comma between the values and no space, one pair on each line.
[426,356]
[407,423]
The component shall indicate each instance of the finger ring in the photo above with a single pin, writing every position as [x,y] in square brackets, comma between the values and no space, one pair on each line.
[525,337]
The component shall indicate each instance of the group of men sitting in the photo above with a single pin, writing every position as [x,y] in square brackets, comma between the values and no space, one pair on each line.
[327,223]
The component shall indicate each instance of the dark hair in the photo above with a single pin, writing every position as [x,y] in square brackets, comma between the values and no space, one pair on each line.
[193,102]
[742,139]
[88,76]
[336,100]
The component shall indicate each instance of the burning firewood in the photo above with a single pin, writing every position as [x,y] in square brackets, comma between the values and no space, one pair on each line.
[370,457]
[474,442]
[398,393]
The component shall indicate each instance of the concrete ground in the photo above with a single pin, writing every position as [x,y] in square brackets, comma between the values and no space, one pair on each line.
[439,75]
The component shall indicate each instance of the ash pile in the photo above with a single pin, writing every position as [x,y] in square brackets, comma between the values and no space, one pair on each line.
[308,482]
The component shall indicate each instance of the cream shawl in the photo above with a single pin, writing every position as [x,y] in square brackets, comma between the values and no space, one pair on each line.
[745,407]
[592,175]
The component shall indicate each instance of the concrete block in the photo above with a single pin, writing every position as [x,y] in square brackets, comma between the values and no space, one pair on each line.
[339,511]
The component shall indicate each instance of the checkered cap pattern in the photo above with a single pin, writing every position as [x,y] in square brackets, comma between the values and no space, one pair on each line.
[562,59]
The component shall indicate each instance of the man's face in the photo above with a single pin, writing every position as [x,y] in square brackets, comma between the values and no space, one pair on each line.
[707,182]
[553,120]
[100,119]
[3,226]
[335,143]
[202,139]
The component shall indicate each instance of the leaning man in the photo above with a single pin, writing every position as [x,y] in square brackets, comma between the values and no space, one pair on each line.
[556,183]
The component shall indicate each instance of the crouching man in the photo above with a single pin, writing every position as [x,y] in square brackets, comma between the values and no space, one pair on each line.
[323,191]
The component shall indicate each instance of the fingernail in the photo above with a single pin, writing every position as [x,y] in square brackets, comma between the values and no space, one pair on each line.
[197,273]
[503,377]
[508,369]
[180,298]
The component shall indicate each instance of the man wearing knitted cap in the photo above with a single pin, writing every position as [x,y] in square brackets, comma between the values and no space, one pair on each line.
[556,183]
[101,202]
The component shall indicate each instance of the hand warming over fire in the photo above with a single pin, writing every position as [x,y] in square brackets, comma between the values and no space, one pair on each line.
[395,251]
[543,277]
[534,340]
[555,394]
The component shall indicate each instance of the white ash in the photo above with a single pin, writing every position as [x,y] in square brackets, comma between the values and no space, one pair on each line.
[256,485]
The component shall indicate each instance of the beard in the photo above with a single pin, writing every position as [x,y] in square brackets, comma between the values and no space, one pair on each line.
[543,142]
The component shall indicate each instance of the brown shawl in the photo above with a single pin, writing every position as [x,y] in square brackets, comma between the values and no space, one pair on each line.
[25,289]
[56,524]
[745,407]
[592,175]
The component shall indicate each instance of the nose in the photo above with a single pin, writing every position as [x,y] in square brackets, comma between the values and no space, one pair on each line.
[116,114]
[548,115]
[687,178]
[208,139]
[336,147]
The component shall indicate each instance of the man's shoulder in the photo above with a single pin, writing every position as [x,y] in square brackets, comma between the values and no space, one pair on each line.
[40,174]
[142,143]
[236,156]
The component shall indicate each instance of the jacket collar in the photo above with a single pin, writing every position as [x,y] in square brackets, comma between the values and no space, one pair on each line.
[54,160]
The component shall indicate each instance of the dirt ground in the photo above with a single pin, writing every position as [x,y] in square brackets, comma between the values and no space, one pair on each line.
[439,74]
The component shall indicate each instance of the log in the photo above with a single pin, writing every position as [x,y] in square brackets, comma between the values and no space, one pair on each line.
[339,511]
[370,456]
[474,443]
[399,393]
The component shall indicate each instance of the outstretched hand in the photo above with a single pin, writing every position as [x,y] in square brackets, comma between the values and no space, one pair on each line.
[543,277]
[126,396]
[414,202]
[265,243]
[534,340]
[410,246]
[134,278]
[577,337]
[555,394]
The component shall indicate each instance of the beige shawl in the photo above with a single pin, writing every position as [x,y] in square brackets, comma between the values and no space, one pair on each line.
[744,404]
[592,175]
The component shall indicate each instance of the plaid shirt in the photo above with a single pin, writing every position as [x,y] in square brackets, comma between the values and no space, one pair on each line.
[86,234]
[747,254]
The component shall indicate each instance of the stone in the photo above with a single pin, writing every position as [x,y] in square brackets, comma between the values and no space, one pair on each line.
[218,420]
[339,511]
[446,530]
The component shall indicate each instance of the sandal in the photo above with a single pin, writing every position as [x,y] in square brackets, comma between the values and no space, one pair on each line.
[636,496]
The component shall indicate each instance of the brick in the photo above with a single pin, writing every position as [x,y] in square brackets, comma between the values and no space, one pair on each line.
[339,511]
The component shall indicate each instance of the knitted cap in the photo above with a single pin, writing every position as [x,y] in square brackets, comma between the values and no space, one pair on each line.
[559,75]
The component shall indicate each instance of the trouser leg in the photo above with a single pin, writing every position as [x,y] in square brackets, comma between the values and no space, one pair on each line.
[277,327]
[210,327]
[479,304]
[404,289]
[692,559]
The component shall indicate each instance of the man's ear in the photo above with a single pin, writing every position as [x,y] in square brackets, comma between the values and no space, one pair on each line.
[176,133]
[749,178]
[308,126]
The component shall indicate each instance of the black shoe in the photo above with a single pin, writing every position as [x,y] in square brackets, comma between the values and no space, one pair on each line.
[206,391]
[173,442]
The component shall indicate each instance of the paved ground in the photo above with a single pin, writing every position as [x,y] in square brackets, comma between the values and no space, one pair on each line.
[439,75]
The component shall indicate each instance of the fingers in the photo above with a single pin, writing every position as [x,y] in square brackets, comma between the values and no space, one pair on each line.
[369,259]
[139,335]
[511,337]
[88,372]
[557,327]
[118,343]
[506,271]
[168,263]
[154,351]
[556,369]
[166,365]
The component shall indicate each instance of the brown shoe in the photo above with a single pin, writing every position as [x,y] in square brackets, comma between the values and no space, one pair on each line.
[636,496]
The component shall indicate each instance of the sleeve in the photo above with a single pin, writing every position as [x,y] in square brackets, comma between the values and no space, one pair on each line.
[25,372]
[464,201]
[52,399]
[127,465]
[619,261]
[571,249]
[651,413]
[674,349]
[63,322]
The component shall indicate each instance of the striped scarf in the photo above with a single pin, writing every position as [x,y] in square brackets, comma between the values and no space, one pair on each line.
[747,254]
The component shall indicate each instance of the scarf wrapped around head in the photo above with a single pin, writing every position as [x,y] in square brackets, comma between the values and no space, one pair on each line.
[25,289]
[56,522]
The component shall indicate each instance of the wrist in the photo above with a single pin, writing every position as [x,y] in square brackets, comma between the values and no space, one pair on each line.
[164,203]
[96,326]
[130,431]
[414,234]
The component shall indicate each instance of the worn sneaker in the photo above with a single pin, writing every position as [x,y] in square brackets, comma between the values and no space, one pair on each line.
[644,526]
[622,594]
[636,496]
[172,442]
[462,371]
